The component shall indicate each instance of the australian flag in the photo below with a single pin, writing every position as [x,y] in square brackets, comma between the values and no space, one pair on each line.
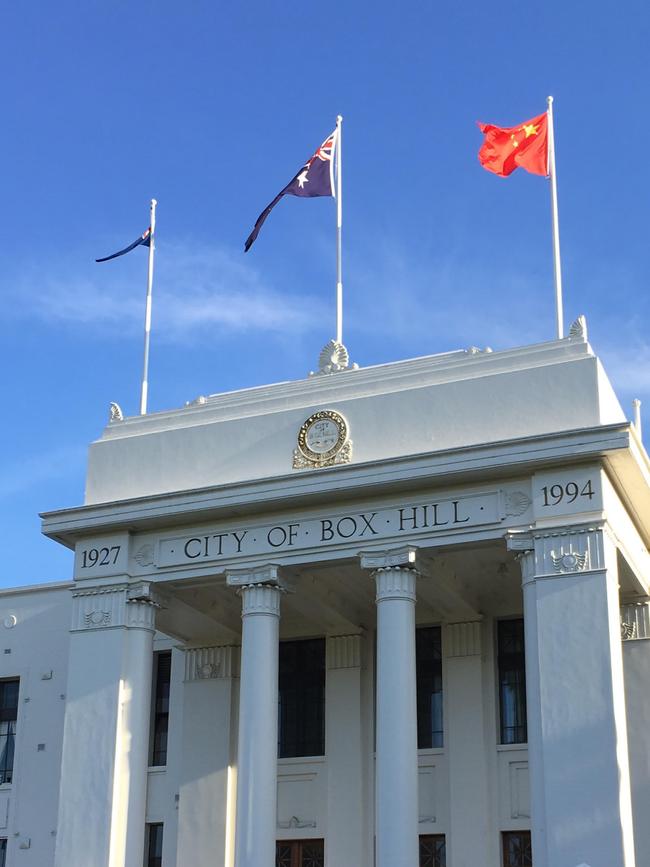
[315,178]
[144,240]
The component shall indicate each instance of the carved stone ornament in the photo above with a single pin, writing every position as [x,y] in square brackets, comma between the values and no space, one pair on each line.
[333,358]
[207,670]
[97,618]
[295,822]
[144,555]
[516,503]
[628,630]
[578,330]
[570,562]
[323,440]
[115,412]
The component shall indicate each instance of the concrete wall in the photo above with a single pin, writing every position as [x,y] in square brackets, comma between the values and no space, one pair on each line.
[406,408]
[35,649]
[636,660]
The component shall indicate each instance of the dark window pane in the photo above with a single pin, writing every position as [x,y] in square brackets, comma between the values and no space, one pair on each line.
[8,715]
[517,851]
[154,845]
[432,850]
[301,702]
[3,852]
[313,853]
[512,681]
[428,655]
[161,708]
[283,853]
[300,853]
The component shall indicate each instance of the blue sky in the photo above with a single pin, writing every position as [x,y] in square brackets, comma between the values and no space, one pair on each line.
[211,108]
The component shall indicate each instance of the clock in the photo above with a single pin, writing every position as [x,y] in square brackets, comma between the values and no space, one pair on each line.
[322,440]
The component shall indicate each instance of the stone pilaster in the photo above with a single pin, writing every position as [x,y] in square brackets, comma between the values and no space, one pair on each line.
[106,730]
[574,661]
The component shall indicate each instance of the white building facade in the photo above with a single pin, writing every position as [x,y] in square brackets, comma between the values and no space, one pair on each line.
[391,616]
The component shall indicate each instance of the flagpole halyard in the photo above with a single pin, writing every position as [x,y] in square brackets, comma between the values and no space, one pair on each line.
[147,313]
[339,226]
[557,267]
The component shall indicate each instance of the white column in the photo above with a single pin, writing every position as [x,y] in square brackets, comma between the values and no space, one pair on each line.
[346,819]
[577,731]
[257,750]
[205,804]
[102,795]
[469,804]
[396,778]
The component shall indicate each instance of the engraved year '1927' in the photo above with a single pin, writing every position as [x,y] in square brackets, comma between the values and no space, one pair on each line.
[100,556]
[568,492]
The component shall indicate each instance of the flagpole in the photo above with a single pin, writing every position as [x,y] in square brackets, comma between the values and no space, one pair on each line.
[557,267]
[339,225]
[147,314]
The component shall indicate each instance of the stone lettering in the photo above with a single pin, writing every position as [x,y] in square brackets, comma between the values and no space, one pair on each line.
[458,520]
[367,523]
[413,518]
[239,538]
[188,552]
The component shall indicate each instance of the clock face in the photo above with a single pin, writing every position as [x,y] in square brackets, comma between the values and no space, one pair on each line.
[322,436]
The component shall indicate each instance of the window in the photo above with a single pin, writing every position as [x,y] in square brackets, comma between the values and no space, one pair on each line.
[300,853]
[3,852]
[432,850]
[517,850]
[154,845]
[428,664]
[162,677]
[512,681]
[301,705]
[8,716]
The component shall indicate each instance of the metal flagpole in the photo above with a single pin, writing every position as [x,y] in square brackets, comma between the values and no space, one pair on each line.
[147,314]
[557,267]
[339,224]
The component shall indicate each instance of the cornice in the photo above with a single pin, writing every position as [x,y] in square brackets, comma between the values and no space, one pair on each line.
[377,379]
[356,481]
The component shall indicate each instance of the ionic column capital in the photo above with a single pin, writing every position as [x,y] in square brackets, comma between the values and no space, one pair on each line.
[392,558]
[260,599]
[394,571]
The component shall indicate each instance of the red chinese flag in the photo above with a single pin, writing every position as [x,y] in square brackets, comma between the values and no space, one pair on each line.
[508,148]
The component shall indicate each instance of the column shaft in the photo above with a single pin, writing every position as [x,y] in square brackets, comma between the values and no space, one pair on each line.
[258,728]
[396,785]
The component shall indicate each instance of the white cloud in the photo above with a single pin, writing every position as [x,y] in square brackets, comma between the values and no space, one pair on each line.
[628,366]
[32,471]
[447,299]
[196,291]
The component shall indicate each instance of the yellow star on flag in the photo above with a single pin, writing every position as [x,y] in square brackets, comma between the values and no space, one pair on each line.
[530,129]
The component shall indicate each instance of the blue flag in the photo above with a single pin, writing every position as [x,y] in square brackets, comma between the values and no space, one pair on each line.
[315,178]
[144,240]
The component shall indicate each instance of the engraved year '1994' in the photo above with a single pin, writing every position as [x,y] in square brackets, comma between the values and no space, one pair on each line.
[569,493]
[100,556]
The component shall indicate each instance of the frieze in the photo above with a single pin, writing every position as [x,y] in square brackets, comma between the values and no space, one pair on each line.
[357,528]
